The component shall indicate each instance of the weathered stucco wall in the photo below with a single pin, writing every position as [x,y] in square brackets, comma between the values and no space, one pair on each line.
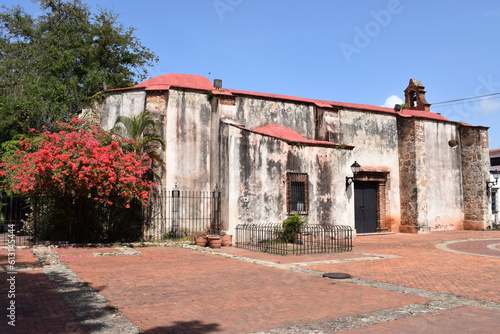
[256,179]
[253,113]
[430,165]
[375,137]
[188,136]
[121,104]
[443,175]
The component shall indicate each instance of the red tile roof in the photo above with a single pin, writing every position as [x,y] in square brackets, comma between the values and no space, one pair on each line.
[166,81]
[291,137]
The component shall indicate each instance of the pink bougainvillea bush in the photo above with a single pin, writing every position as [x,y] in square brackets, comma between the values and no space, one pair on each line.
[87,184]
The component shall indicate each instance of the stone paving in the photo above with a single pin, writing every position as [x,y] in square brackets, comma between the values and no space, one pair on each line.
[420,264]
[464,320]
[402,283]
[39,308]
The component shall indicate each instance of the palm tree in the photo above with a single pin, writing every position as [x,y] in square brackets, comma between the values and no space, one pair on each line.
[141,128]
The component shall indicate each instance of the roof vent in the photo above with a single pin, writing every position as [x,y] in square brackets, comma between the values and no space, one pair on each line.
[217,83]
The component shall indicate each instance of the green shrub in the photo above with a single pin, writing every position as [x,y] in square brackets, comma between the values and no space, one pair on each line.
[292,226]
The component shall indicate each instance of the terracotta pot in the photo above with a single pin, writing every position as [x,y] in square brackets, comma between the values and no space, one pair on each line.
[201,241]
[226,240]
[214,241]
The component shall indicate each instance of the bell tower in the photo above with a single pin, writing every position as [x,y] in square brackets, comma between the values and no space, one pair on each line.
[415,96]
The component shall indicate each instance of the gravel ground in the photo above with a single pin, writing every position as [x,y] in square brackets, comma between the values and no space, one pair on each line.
[97,315]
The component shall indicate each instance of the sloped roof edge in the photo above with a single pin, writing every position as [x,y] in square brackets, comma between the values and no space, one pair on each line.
[290,136]
[197,82]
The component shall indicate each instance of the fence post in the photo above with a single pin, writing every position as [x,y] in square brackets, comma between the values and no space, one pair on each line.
[216,210]
[176,194]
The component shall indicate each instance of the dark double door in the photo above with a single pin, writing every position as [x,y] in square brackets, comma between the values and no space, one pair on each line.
[365,202]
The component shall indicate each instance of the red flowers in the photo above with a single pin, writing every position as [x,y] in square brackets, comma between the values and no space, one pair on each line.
[79,163]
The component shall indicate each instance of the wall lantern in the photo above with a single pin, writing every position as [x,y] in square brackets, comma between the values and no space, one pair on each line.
[355,167]
[490,184]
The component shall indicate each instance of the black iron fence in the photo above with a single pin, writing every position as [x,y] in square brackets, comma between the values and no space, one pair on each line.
[311,239]
[172,214]
[179,213]
[14,212]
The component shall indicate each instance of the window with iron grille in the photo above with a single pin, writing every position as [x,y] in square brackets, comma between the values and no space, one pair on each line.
[297,193]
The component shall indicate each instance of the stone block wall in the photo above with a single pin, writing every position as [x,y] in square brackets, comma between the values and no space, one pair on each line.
[475,173]
[412,164]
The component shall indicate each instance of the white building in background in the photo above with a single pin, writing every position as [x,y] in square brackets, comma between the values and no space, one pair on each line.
[495,203]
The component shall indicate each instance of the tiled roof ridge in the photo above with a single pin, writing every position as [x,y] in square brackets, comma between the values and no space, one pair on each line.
[197,82]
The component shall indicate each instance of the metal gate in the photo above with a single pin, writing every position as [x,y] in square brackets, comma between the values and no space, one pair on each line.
[14,228]
[179,213]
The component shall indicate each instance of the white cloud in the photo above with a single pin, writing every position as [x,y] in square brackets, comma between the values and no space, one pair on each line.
[391,101]
[488,106]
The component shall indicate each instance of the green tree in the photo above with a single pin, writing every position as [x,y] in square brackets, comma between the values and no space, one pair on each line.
[141,129]
[51,64]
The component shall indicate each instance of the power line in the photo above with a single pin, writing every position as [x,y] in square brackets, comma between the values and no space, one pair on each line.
[466,98]
[454,104]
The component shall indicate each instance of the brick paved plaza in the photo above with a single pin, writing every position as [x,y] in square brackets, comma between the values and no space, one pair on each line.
[402,283]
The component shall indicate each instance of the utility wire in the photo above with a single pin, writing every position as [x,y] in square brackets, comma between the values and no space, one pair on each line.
[467,98]
[454,104]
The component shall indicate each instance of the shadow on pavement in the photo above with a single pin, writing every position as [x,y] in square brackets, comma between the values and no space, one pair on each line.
[192,327]
[33,300]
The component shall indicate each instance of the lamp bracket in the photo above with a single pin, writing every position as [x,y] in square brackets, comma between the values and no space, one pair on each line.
[349,180]
[490,184]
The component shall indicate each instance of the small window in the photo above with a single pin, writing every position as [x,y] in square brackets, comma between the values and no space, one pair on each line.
[297,193]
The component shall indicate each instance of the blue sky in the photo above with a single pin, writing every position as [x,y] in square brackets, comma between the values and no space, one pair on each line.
[338,50]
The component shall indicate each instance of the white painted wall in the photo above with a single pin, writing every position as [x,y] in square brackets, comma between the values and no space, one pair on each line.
[375,138]
[127,103]
[253,113]
[256,180]
[443,175]
[188,137]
